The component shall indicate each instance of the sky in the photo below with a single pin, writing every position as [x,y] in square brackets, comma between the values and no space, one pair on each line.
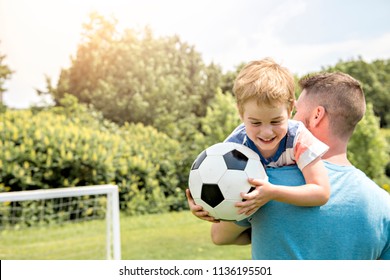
[39,37]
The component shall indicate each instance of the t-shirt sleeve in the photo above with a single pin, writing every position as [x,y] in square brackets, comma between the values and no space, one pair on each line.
[307,148]
[238,135]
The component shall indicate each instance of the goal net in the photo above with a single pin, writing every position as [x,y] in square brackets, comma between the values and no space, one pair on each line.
[76,223]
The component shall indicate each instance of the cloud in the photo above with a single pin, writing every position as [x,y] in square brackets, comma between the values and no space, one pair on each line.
[264,40]
[281,15]
[304,58]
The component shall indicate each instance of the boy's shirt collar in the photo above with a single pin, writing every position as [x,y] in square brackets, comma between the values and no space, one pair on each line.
[281,148]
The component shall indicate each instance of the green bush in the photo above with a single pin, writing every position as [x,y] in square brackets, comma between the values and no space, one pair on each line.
[47,149]
[367,149]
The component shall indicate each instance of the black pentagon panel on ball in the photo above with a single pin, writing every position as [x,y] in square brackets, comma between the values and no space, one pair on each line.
[235,160]
[211,194]
[199,160]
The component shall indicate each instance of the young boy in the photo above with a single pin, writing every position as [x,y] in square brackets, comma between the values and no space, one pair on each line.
[265,99]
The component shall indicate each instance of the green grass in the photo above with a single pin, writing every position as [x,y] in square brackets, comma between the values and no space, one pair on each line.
[85,240]
[171,236]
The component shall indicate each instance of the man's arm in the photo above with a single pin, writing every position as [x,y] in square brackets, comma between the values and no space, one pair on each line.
[222,233]
[229,233]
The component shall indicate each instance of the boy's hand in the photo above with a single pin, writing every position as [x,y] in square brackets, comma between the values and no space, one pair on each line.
[197,210]
[262,193]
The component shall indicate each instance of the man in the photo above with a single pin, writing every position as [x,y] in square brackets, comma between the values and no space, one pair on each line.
[354,224]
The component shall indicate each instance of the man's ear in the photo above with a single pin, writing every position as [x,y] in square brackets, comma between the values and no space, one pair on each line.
[318,115]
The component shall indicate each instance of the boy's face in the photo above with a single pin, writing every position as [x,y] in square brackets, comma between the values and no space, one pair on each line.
[265,126]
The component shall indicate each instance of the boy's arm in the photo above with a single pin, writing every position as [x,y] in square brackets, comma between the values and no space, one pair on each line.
[315,192]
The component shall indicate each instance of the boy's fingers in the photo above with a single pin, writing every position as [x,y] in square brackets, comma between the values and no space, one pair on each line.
[250,195]
[256,182]
[243,204]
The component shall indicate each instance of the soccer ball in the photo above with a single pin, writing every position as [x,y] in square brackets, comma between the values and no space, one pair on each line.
[219,174]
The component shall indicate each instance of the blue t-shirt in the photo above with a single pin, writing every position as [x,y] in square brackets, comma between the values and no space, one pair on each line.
[354,224]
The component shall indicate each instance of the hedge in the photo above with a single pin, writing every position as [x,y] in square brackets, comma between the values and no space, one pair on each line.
[45,150]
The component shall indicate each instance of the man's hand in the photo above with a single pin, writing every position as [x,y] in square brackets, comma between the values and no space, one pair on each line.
[198,210]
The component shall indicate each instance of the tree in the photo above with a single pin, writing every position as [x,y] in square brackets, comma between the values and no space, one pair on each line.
[367,147]
[375,79]
[5,74]
[134,77]
[221,119]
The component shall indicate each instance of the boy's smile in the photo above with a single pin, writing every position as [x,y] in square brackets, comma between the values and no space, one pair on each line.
[265,125]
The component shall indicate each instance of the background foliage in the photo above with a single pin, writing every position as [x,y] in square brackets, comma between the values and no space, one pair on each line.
[375,77]
[50,149]
[135,110]
[131,76]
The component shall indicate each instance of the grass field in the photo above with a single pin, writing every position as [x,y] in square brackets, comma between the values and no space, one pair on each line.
[171,236]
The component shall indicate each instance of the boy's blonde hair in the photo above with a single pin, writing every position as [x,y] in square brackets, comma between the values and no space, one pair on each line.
[266,82]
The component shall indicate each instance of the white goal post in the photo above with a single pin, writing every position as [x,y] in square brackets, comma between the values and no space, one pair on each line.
[113,243]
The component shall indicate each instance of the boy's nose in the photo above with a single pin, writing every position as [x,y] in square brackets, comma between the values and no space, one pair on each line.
[266,132]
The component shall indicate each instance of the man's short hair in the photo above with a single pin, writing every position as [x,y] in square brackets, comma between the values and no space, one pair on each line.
[342,97]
